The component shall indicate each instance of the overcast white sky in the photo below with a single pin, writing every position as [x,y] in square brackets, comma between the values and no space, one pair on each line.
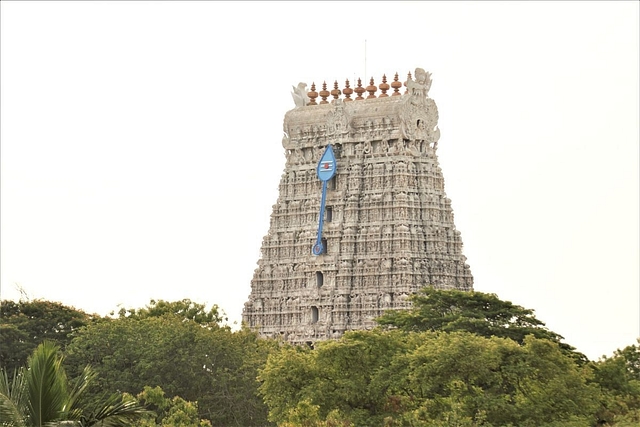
[141,145]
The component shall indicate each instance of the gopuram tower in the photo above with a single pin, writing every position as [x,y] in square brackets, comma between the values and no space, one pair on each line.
[362,220]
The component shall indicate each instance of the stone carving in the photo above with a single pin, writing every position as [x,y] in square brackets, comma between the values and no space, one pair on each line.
[419,117]
[286,142]
[300,97]
[390,229]
[419,88]
[338,122]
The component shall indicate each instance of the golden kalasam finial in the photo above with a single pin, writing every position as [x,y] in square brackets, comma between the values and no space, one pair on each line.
[405,83]
[359,90]
[371,89]
[347,91]
[324,93]
[335,92]
[384,87]
[396,85]
[312,95]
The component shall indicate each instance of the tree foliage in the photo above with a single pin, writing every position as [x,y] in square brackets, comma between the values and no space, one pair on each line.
[428,379]
[454,359]
[184,353]
[175,412]
[185,309]
[41,394]
[475,312]
[619,379]
[26,324]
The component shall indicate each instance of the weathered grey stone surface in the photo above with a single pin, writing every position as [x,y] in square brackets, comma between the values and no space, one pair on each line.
[388,225]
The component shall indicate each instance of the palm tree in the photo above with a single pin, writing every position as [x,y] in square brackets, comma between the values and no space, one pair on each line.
[40,394]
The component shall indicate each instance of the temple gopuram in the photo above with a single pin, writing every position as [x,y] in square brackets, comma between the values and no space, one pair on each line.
[362,220]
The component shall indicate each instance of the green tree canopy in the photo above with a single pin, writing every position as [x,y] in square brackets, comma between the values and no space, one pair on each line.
[398,378]
[475,312]
[337,376]
[26,324]
[186,355]
[185,309]
[619,379]
[175,412]
[42,395]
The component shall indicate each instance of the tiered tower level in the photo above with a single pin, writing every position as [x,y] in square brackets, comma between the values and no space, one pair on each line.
[387,226]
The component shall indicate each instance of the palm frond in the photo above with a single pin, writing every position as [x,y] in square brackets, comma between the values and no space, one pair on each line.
[12,402]
[40,395]
[64,423]
[117,412]
[10,415]
[78,387]
[46,385]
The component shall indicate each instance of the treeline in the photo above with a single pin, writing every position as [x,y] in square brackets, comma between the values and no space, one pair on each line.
[454,359]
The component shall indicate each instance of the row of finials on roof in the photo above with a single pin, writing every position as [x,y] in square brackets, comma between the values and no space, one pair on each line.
[301,97]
